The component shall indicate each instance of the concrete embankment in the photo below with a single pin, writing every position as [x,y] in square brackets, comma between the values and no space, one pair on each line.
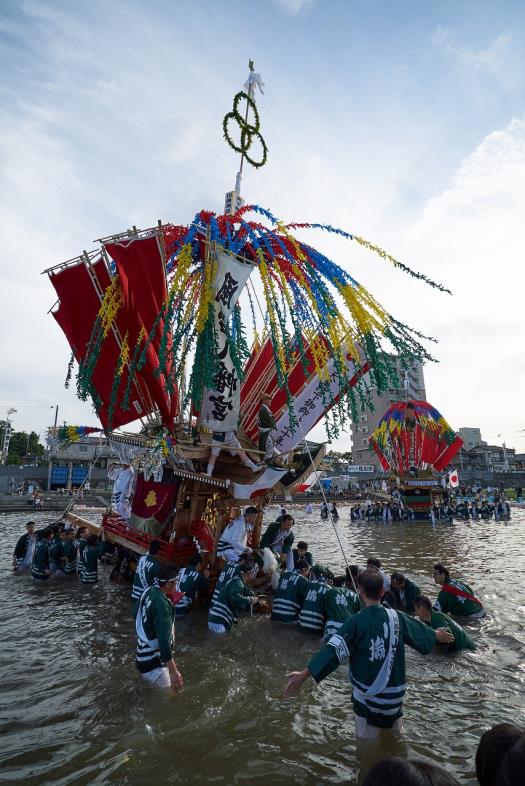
[23,503]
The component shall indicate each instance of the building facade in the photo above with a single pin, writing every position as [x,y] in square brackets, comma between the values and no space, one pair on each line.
[487,458]
[70,466]
[471,437]
[414,380]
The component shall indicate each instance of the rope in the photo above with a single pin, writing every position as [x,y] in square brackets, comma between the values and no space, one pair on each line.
[75,496]
[318,479]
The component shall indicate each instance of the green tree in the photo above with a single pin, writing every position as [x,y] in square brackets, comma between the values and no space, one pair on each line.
[24,444]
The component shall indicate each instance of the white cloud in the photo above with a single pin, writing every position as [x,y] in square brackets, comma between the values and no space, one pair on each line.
[294,7]
[471,236]
[488,59]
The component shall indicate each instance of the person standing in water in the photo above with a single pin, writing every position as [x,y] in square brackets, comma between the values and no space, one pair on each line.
[155,629]
[374,640]
[25,548]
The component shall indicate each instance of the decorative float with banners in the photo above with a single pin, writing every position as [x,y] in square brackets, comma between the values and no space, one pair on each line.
[414,442]
[158,320]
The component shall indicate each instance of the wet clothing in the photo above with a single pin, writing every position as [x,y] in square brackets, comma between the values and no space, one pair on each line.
[289,596]
[145,574]
[374,641]
[406,597]
[233,598]
[312,614]
[56,552]
[40,561]
[70,553]
[339,603]
[81,544]
[457,598]
[155,631]
[276,539]
[191,582]
[25,549]
[228,572]
[308,557]
[462,640]
[88,564]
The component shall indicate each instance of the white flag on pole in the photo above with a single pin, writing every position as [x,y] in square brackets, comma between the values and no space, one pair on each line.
[220,404]
[309,408]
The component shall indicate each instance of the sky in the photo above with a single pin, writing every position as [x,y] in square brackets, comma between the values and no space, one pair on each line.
[400,121]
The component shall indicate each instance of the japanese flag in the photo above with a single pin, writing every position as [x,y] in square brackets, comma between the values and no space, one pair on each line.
[453,479]
[269,478]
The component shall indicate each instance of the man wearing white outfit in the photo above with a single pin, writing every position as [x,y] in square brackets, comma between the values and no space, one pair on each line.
[123,477]
[234,538]
[227,440]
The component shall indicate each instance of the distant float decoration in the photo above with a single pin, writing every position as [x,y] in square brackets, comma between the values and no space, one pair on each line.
[414,435]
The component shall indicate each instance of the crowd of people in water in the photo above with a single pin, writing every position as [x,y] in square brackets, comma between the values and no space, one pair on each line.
[364,616]
[445,511]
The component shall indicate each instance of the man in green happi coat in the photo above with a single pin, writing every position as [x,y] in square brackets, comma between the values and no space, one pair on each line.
[436,619]
[154,625]
[340,603]
[234,597]
[70,552]
[40,570]
[88,562]
[146,572]
[405,592]
[279,538]
[374,641]
[290,593]
[312,616]
[193,581]
[455,597]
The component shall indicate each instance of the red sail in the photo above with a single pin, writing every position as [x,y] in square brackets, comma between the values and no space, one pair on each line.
[143,284]
[76,315]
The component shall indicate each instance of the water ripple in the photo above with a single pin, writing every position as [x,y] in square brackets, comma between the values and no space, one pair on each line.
[74,712]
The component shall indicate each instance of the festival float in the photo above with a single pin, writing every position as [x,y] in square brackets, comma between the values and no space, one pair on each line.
[414,443]
[177,330]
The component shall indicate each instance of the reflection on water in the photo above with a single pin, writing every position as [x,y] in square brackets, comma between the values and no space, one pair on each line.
[73,710]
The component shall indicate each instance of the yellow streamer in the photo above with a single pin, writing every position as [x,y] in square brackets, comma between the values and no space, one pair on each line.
[110,305]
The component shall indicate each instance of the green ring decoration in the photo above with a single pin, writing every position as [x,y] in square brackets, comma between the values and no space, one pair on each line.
[262,162]
[230,116]
[248,130]
[240,119]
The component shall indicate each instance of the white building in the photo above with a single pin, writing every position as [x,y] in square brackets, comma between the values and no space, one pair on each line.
[362,453]
[471,437]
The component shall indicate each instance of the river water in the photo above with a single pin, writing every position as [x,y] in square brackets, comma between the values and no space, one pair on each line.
[74,711]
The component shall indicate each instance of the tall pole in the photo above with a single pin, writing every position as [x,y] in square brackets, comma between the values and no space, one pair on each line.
[7,434]
[248,131]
